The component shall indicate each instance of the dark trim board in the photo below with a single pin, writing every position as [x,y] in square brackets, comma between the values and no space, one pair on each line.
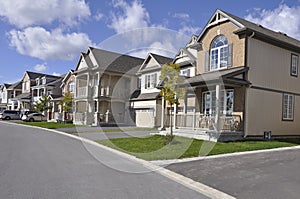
[274,90]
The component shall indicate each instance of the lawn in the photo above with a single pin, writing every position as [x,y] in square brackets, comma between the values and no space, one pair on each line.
[48,125]
[160,147]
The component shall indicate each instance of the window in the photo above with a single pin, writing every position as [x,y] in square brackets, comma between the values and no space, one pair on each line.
[185,72]
[95,106]
[150,81]
[139,83]
[44,81]
[219,53]
[288,107]
[294,65]
[71,86]
[226,102]
[37,81]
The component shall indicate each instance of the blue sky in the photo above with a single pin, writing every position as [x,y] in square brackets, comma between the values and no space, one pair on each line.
[48,36]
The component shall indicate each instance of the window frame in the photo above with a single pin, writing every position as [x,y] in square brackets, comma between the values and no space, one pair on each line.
[286,107]
[216,52]
[296,65]
[150,81]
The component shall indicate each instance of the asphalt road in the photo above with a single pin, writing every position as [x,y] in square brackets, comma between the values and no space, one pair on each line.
[272,175]
[38,164]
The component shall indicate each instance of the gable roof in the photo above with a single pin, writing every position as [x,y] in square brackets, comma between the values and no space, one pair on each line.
[34,75]
[17,85]
[159,59]
[115,62]
[245,26]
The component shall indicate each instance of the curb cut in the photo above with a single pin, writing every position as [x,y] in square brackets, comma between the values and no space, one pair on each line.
[187,182]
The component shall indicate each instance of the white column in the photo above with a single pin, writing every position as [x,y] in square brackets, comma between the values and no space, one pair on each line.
[217,116]
[175,111]
[163,113]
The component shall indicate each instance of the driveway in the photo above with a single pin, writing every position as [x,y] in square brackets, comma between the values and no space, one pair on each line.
[266,175]
[36,163]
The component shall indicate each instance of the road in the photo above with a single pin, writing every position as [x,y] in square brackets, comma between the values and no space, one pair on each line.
[264,175]
[38,164]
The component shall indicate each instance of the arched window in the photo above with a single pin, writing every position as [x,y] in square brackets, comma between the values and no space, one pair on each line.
[219,53]
[71,86]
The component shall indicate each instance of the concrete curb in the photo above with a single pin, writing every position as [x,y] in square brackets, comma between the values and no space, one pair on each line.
[174,161]
[187,182]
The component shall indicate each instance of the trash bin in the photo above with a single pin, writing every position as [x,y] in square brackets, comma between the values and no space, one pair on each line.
[267,135]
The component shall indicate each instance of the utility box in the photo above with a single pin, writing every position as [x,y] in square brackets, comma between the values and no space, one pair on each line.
[267,135]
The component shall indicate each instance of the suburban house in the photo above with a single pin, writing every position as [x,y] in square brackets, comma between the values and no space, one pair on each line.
[104,84]
[4,95]
[12,92]
[147,105]
[246,80]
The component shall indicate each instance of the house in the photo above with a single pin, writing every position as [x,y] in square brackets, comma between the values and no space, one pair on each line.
[104,83]
[147,105]
[3,96]
[246,80]
[67,84]
[12,92]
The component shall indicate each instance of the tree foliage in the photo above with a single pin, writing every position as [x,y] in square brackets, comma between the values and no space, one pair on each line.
[67,102]
[170,75]
[43,104]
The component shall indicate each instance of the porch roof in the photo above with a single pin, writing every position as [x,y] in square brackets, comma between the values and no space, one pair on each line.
[23,96]
[226,75]
[146,96]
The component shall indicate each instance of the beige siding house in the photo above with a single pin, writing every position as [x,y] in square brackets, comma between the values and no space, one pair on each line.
[246,79]
[104,84]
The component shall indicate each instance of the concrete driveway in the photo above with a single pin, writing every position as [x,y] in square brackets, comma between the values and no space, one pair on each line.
[268,175]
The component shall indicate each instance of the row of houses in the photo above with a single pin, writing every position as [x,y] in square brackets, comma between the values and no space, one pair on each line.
[241,78]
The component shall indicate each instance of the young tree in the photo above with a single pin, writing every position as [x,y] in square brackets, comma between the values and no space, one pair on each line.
[171,92]
[43,104]
[67,102]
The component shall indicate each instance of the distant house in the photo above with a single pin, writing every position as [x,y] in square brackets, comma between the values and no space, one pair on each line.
[147,105]
[104,83]
[246,80]
[12,92]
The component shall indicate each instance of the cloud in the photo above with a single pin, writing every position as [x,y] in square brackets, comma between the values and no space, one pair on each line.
[283,18]
[183,16]
[56,74]
[99,16]
[189,30]
[130,16]
[40,67]
[24,13]
[39,43]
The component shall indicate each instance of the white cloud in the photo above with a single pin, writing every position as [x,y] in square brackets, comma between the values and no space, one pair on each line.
[99,16]
[183,16]
[56,74]
[284,18]
[40,67]
[24,13]
[189,30]
[130,16]
[40,43]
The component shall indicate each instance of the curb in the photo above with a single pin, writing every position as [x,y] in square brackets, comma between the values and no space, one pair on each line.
[174,161]
[187,182]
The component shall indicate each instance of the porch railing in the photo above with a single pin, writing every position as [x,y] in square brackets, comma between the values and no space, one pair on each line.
[204,121]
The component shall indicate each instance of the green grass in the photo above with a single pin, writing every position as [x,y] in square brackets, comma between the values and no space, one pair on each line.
[161,147]
[120,130]
[48,125]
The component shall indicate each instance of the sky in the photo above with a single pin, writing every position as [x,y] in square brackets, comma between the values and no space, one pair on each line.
[48,36]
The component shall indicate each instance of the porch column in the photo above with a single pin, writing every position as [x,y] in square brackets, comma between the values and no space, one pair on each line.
[217,116]
[185,110]
[163,113]
[175,111]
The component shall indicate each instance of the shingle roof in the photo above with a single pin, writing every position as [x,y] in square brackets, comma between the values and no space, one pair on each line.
[17,85]
[161,59]
[23,96]
[34,75]
[260,29]
[216,75]
[116,62]
[147,96]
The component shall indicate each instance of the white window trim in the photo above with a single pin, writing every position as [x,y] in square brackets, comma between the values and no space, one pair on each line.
[290,105]
[296,64]
[150,81]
